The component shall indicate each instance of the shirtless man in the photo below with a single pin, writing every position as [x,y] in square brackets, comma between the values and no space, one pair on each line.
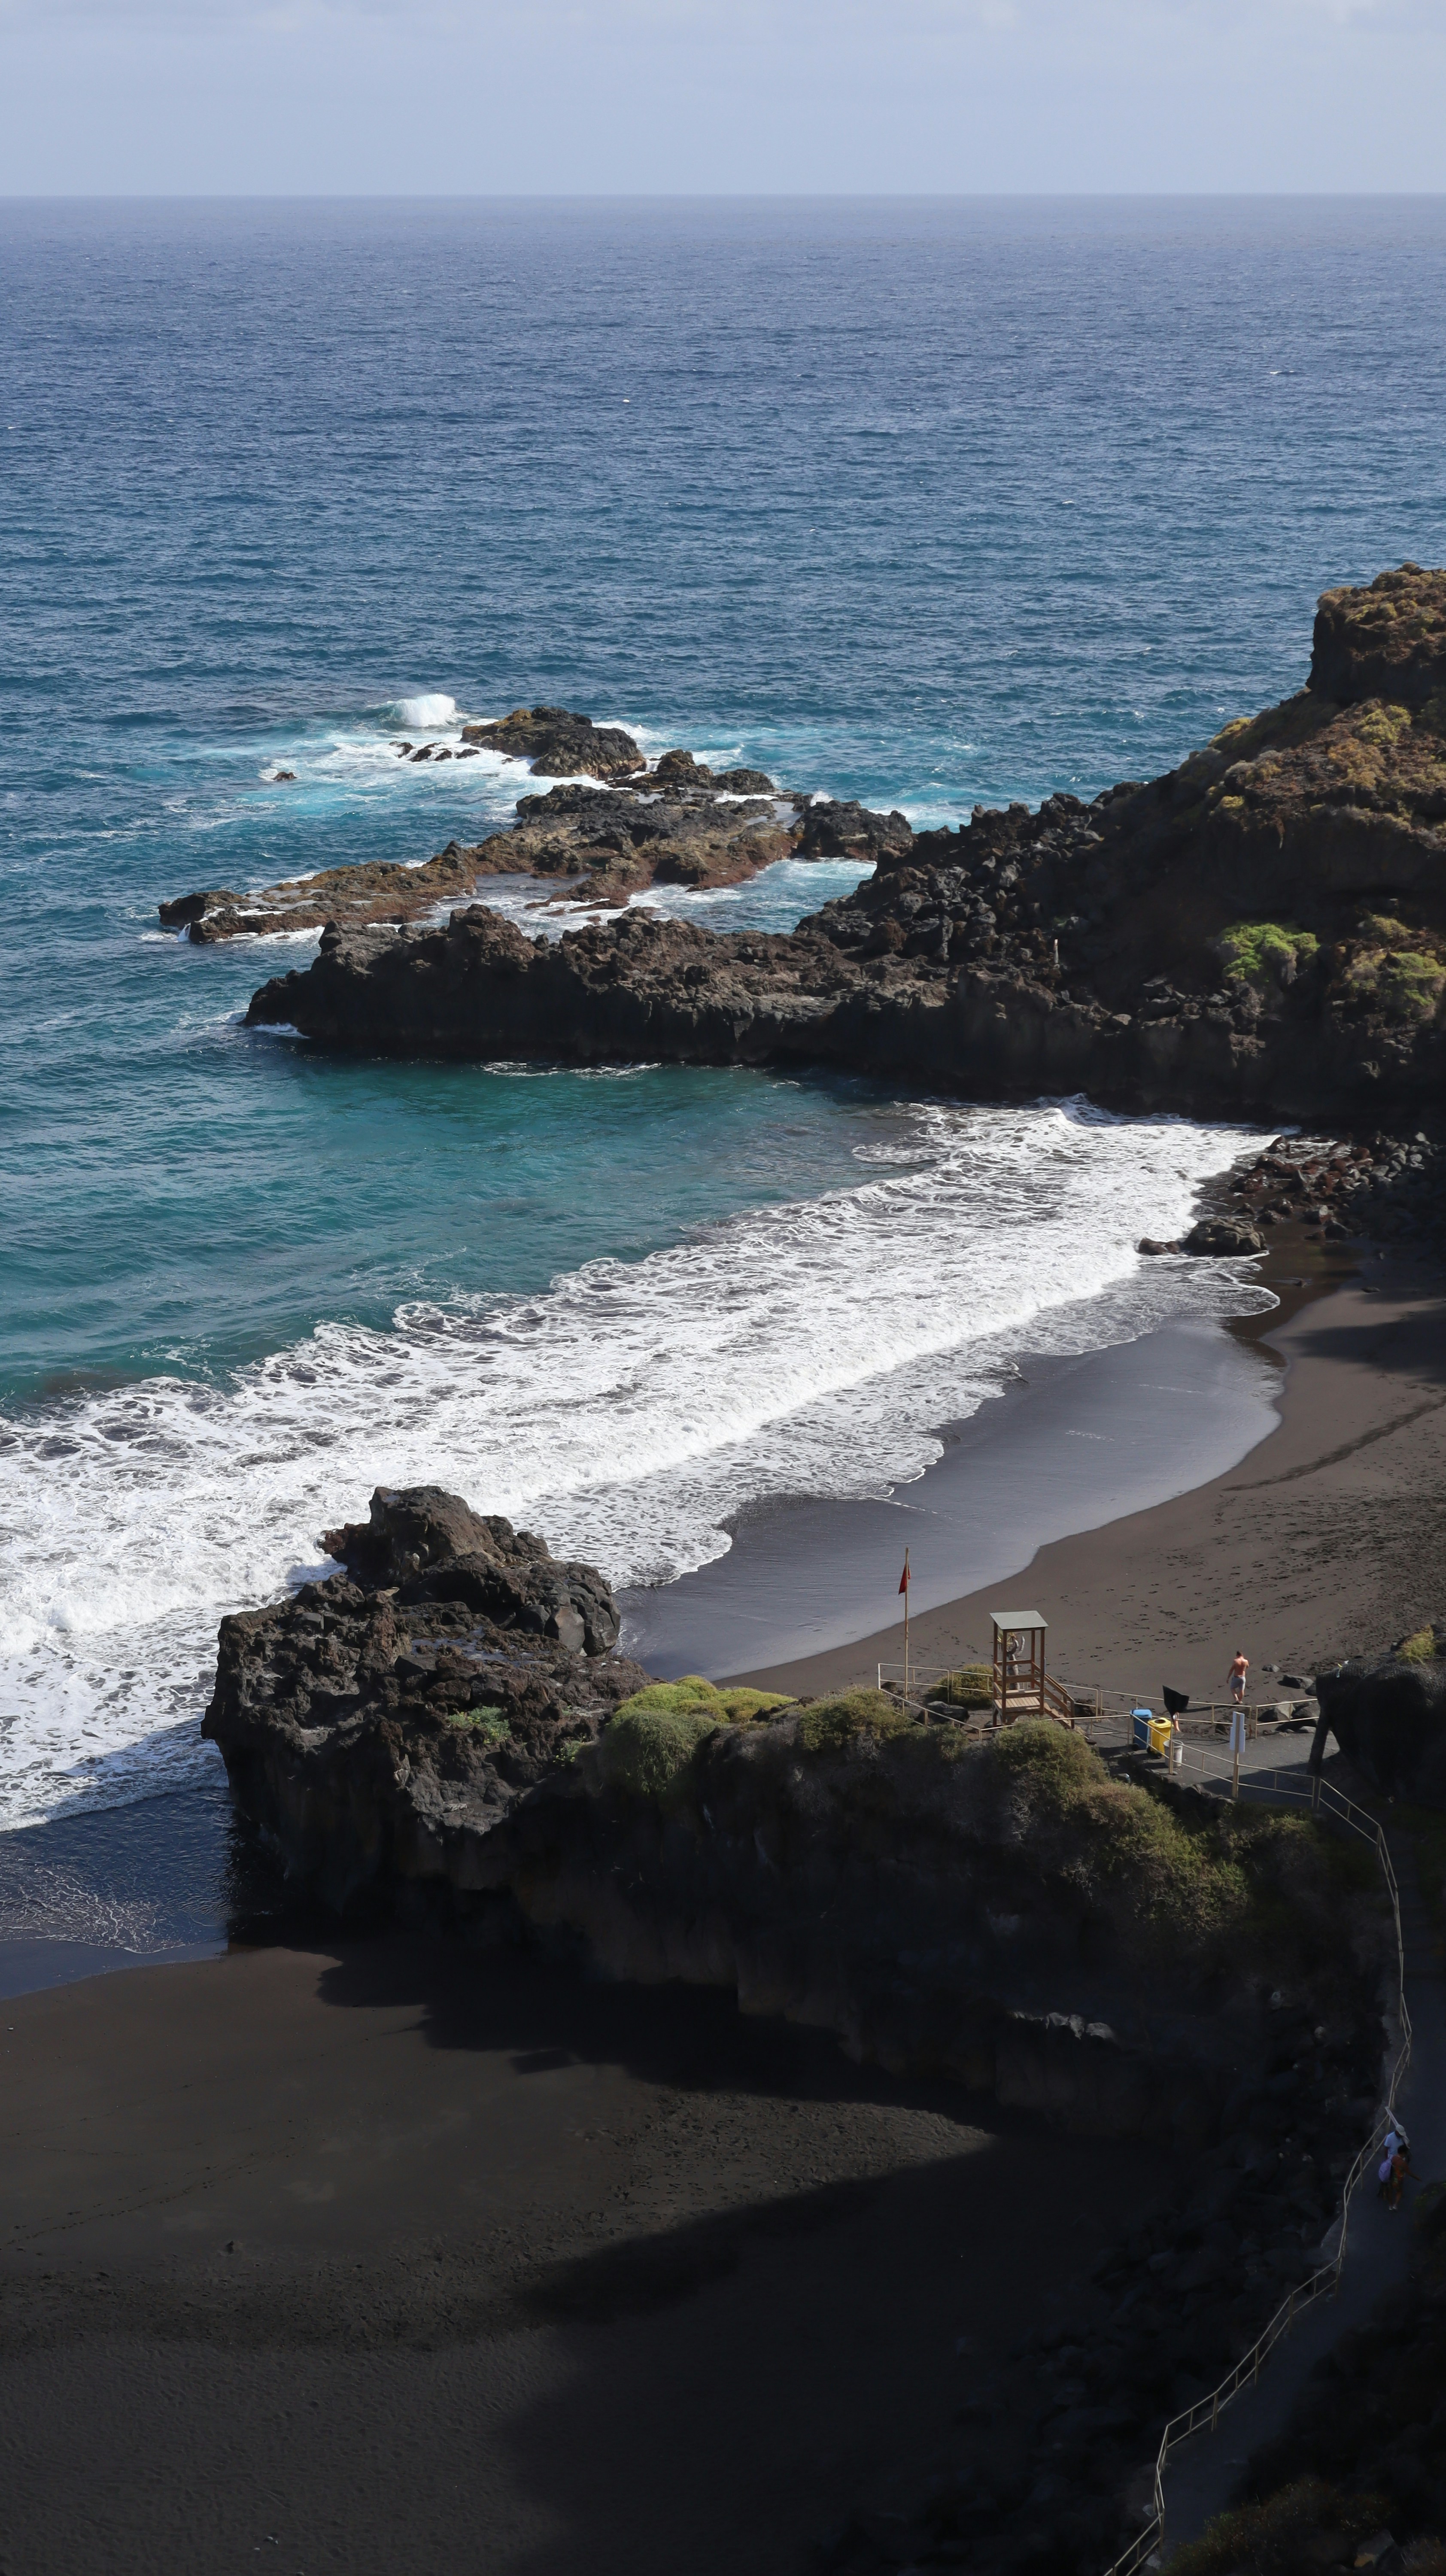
[1238,1670]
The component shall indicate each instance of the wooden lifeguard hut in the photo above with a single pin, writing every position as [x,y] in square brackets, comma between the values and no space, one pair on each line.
[1022,1687]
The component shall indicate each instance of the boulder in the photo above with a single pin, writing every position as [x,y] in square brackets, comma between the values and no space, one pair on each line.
[832,830]
[1388,1715]
[557,743]
[744,782]
[1219,1236]
[433,1547]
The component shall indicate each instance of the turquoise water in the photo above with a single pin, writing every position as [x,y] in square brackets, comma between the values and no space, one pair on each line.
[925,503]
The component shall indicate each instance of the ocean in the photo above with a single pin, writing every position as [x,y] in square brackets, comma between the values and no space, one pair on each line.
[928,503]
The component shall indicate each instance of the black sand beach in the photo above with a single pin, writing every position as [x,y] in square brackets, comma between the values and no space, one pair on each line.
[388,2255]
[396,2253]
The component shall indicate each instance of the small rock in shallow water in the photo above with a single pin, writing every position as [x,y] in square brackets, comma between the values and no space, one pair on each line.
[1219,1236]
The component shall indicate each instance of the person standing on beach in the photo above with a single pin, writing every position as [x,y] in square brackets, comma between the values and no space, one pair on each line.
[1398,2174]
[1238,1670]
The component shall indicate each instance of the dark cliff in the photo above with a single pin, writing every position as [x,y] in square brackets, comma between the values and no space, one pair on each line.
[369,1721]
[1262,929]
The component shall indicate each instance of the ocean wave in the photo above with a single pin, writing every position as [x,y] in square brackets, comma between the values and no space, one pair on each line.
[433,712]
[627,1412]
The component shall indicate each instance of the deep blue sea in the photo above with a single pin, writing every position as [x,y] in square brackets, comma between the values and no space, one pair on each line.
[926,503]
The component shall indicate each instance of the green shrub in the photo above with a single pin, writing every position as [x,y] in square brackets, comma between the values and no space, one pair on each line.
[735,1707]
[831,1725]
[1202,1876]
[1419,1649]
[740,1706]
[1257,950]
[1275,2538]
[1411,984]
[646,1750]
[486,1721]
[971,1687]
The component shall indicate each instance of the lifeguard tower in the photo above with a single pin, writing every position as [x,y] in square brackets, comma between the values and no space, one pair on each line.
[1022,1688]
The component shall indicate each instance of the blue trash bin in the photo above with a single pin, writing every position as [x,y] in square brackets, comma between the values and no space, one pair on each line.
[1140,1720]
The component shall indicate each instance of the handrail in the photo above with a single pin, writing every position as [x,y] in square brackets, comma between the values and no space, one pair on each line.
[1326,2278]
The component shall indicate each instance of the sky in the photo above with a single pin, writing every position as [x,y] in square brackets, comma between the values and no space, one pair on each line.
[640,97]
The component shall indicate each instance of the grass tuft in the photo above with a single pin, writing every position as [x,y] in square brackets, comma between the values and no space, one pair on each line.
[832,1725]
[1263,952]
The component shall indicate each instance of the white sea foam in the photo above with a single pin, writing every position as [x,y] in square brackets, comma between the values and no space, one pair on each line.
[428,714]
[625,1412]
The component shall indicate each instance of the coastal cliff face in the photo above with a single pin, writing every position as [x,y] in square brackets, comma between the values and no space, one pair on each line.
[1000,1910]
[443,1729]
[1264,928]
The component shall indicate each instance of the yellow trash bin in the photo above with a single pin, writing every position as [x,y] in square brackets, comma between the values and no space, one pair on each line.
[1159,1735]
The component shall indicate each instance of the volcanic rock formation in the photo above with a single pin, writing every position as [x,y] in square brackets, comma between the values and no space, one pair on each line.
[370,1719]
[558,744]
[1262,929]
[444,1728]
[677,824]
[1388,1715]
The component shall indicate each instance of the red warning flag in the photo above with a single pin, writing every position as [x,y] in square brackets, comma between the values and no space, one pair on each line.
[904,1577]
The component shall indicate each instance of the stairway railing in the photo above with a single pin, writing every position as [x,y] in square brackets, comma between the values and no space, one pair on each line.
[1326,1800]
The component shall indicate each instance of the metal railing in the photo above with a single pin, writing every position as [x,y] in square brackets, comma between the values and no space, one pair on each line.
[1066,1705]
[1325,2280]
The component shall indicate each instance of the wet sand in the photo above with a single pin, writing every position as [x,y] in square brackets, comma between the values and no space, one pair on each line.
[1327,1538]
[397,2256]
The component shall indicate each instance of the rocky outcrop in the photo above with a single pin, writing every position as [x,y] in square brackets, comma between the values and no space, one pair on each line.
[1384,643]
[555,743]
[986,1909]
[423,1733]
[676,825]
[373,1722]
[1373,1185]
[1388,1715]
[1262,931]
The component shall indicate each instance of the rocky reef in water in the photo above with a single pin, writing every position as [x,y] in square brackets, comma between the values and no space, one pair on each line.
[1261,930]
[674,823]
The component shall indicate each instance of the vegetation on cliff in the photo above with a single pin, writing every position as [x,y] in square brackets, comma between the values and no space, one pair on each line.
[1030,1822]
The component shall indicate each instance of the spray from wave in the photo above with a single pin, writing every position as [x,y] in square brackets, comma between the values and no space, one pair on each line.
[627,1412]
[428,714]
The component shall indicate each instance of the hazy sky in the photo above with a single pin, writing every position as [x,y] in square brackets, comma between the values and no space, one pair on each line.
[449,97]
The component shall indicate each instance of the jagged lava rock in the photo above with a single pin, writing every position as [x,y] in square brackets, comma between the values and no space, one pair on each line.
[556,743]
[1263,929]
[384,1716]
[676,825]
